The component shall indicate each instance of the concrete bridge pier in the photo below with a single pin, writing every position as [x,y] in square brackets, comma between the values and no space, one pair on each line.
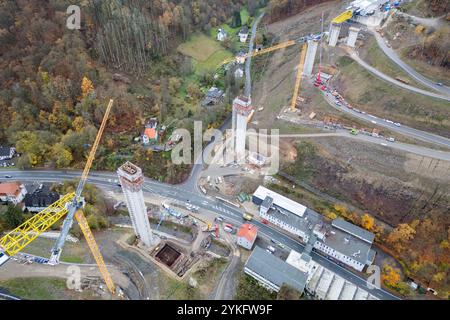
[333,37]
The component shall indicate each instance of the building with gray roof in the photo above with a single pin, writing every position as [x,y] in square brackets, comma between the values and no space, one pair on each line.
[353,230]
[340,240]
[273,272]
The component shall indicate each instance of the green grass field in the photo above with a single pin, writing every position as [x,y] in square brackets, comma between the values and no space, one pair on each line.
[37,288]
[200,47]
[207,53]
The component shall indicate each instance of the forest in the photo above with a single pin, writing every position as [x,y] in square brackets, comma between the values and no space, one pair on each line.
[55,82]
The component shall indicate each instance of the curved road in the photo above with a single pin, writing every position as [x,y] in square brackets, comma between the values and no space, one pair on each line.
[385,77]
[411,148]
[105,181]
[248,62]
[407,131]
[413,73]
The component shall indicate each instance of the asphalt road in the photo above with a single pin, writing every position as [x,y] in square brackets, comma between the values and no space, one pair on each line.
[413,73]
[248,62]
[105,181]
[404,130]
[411,148]
[385,77]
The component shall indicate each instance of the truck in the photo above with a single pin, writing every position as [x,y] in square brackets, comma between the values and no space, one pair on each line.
[202,189]
[248,216]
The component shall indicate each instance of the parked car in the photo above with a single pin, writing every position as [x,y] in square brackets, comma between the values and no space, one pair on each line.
[271,249]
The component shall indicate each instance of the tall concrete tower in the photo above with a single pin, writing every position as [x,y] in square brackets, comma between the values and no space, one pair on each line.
[333,36]
[310,57]
[241,111]
[131,179]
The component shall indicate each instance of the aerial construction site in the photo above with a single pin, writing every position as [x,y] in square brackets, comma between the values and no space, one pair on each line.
[254,150]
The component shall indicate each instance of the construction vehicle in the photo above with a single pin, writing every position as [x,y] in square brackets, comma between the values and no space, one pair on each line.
[354,131]
[69,205]
[247,216]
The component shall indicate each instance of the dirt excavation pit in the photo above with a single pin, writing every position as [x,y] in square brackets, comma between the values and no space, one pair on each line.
[168,255]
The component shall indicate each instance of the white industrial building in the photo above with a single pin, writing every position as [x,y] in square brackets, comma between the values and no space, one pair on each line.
[131,179]
[323,284]
[341,241]
[346,243]
[285,213]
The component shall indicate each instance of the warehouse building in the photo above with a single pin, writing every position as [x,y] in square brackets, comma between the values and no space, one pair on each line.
[342,241]
[272,272]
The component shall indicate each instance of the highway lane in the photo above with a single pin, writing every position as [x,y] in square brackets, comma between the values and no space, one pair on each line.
[106,181]
[404,130]
[411,148]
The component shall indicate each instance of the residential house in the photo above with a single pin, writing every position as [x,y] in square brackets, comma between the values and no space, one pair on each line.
[39,198]
[213,96]
[6,153]
[247,235]
[12,192]
[239,73]
[243,34]
[151,131]
[221,34]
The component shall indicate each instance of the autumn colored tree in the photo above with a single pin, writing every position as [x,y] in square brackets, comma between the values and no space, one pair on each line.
[401,235]
[86,87]
[368,222]
[390,276]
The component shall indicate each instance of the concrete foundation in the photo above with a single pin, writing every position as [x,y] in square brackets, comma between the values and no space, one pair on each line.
[352,36]
[310,57]
[333,36]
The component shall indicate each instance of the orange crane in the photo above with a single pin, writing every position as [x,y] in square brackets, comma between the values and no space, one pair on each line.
[70,206]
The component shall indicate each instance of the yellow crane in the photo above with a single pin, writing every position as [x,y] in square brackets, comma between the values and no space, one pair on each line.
[298,79]
[70,205]
[344,16]
[242,58]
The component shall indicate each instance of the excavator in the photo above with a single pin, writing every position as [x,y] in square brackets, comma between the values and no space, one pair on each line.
[70,206]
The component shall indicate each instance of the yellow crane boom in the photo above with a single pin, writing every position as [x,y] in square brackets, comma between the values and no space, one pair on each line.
[84,226]
[17,239]
[14,241]
[298,80]
[344,16]
[242,58]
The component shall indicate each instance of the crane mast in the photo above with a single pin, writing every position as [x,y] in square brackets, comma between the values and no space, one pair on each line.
[77,201]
